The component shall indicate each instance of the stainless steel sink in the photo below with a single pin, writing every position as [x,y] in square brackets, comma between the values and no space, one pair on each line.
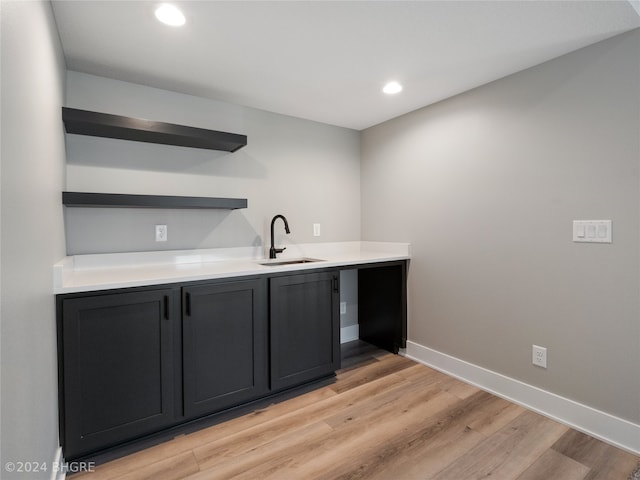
[291,261]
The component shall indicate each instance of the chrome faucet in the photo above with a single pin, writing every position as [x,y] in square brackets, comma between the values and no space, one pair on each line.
[273,251]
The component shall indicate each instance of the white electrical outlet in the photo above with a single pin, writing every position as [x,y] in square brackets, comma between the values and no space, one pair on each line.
[316,229]
[161,233]
[343,308]
[539,357]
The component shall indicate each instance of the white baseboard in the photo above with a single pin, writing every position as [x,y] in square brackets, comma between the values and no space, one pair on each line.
[350,333]
[603,426]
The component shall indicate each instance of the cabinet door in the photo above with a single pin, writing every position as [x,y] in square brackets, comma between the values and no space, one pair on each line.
[224,345]
[305,337]
[117,365]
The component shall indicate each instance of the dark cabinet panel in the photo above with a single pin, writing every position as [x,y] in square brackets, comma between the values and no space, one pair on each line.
[382,306]
[224,345]
[117,365]
[305,336]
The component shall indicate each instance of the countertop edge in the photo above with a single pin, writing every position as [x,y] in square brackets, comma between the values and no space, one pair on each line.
[79,275]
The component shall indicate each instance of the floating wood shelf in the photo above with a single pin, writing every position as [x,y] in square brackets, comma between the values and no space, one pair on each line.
[81,199]
[83,122]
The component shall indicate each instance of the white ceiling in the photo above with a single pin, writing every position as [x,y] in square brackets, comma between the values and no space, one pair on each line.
[328,60]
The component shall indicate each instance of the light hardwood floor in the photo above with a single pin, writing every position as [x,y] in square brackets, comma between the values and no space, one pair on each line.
[384,418]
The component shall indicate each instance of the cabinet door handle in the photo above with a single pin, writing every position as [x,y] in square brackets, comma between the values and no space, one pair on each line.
[335,284]
[187,304]
[166,307]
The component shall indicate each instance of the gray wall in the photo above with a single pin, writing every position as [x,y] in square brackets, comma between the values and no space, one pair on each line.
[485,186]
[32,236]
[308,171]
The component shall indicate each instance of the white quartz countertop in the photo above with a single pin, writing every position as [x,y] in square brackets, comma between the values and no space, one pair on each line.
[85,273]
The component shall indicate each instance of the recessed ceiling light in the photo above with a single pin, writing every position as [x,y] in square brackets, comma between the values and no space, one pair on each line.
[170,15]
[392,88]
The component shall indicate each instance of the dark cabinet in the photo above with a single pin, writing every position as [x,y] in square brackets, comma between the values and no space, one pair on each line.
[382,305]
[116,368]
[224,345]
[137,361]
[305,328]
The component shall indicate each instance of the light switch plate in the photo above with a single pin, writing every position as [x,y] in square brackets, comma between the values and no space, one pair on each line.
[592,231]
[316,229]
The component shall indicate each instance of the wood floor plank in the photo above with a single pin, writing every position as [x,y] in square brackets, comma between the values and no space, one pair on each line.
[490,417]
[172,468]
[445,434]
[606,462]
[399,401]
[264,456]
[258,417]
[353,439]
[418,372]
[385,366]
[445,446]
[552,464]
[508,452]
[121,467]
[419,459]
[423,374]
[380,416]
[210,453]
[357,354]
[458,388]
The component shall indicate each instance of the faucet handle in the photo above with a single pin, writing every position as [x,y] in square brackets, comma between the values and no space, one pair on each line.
[273,251]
